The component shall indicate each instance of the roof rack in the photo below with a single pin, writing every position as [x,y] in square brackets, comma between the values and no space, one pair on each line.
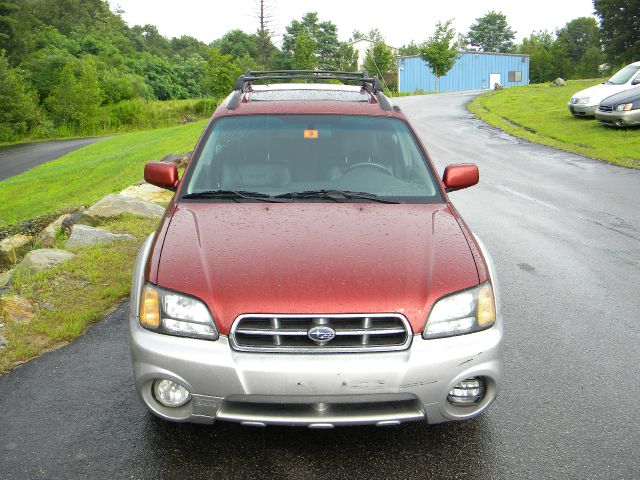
[244,82]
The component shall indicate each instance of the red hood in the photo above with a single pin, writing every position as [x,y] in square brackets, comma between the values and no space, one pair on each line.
[315,258]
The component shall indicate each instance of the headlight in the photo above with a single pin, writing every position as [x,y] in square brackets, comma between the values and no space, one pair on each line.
[175,314]
[463,312]
[624,107]
[583,100]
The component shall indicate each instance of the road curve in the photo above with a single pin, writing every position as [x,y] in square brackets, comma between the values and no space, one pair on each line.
[16,159]
[565,235]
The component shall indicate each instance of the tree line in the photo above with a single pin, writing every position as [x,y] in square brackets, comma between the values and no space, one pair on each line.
[74,66]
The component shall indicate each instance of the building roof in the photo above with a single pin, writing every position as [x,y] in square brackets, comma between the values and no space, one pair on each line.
[473,52]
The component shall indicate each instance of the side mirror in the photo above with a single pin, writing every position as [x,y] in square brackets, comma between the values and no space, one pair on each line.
[459,176]
[636,81]
[163,175]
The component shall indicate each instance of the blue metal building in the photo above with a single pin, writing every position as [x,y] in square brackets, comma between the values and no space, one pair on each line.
[472,71]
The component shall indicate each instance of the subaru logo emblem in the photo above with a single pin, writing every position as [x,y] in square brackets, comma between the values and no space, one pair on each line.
[321,334]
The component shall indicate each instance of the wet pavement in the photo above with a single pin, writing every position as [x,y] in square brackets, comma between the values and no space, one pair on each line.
[16,159]
[565,235]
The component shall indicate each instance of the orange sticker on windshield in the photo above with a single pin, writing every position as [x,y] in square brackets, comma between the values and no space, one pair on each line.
[311,134]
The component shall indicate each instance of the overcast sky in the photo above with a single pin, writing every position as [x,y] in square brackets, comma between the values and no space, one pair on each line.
[400,21]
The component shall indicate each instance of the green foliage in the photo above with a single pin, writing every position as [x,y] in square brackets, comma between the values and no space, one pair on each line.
[492,33]
[409,49]
[19,112]
[379,60]
[580,40]
[220,74]
[440,51]
[551,123]
[323,35]
[237,43]
[304,52]
[75,101]
[620,23]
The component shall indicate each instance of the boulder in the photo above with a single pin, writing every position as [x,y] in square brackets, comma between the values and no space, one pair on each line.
[16,309]
[559,82]
[3,342]
[84,235]
[71,220]
[148,192]
[5,278]
[47,237]
[113,206]
[12,248]
[44,258]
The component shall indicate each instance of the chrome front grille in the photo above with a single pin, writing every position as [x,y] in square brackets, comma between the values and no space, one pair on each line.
[321,333]
[605,108]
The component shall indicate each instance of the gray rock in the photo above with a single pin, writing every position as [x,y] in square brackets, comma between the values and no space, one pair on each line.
[559,82]
[113,206]
[12,248]
[3,342]
[47,237]
[84,235]
[5,278]
[71,220]
[172,158]
[44,258]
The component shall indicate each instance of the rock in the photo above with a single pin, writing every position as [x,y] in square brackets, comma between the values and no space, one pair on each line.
[498,86]
[47,237]
[148,192]
[12,248]
[84,235]
[71,220]
[113,206]
[559,82]
[16,309]
[3,342]
[44,258]
[172,158]
[5,278]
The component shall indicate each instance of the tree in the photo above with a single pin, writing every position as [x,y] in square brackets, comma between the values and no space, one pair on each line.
[7,22]
[619,26]
[238,43]
[323,34]
[492,33]
[304,57]
[19,113]
[265,16]
[75,101]
[440,51]
[379,60]
[409,49]
[539,46]
[580,39]
[347,58]
[220,74]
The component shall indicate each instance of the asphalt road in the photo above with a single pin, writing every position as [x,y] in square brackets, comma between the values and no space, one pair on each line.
[565,234]
[20,158]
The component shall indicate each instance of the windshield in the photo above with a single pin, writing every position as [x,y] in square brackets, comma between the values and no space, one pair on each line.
[624,75]
[280,154]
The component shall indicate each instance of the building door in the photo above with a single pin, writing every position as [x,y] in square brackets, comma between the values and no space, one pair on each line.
[493,79]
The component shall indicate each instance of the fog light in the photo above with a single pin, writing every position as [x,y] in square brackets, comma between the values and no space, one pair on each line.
[467,392]
[170,394]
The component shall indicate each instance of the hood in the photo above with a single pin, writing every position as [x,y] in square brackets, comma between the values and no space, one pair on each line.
[599,92]
[628,96]
[315,258]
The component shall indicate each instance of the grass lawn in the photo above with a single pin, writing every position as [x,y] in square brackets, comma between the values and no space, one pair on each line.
[73,295]
[539,113]
[88,174]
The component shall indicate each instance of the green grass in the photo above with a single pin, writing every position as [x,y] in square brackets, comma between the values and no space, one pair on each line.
[539,113]
[73,295]
[86,175]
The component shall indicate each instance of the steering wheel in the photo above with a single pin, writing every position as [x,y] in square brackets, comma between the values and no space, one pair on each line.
[369,164]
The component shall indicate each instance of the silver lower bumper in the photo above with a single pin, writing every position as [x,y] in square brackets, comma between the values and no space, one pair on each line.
[316,390]
[578,110]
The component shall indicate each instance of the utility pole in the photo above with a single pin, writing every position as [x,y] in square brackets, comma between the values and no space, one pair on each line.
[264,12]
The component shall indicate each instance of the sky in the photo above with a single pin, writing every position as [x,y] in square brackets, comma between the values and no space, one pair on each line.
[400,21]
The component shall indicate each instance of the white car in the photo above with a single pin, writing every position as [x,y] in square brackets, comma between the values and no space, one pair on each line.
[585,102]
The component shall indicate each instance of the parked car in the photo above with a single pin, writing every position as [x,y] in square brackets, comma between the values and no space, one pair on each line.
[310,269]
[620,110]
[585,102]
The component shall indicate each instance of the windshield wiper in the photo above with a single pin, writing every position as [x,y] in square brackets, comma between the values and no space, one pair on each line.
[336,195]
[235,195]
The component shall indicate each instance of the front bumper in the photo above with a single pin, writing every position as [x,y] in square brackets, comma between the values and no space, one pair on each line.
[581,110]
[619,119]
[316,390]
